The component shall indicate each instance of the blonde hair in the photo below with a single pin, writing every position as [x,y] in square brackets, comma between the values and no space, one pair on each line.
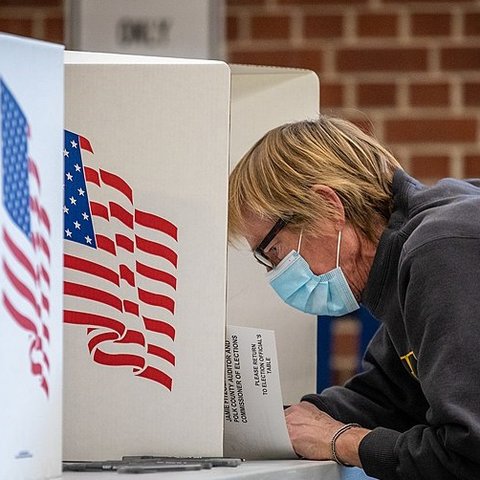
[275,177]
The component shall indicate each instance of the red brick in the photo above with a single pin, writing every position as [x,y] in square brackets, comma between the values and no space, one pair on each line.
[377,25]
[472,166]
[472,24]
[323,26]
[458,58]
[271,27]
[431,130]
[431,24]
[54,30]
[16,26]
[331,95]
[245,2]
[32,3]
[430,166]
[345,344]
[429,94]
[311,59]
[471,94]
[381,59]
[428,1]
[376,95]
[231,27]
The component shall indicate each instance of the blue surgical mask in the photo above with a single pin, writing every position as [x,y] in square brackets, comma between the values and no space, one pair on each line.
[326,294]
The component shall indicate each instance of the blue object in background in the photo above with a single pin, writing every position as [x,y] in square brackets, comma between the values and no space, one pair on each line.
[354,473]
[368,327]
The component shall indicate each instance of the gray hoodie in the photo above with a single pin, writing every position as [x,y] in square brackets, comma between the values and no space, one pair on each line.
[420,388]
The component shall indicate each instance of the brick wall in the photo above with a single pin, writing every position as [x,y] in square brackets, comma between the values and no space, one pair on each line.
[41,19]
[407,70]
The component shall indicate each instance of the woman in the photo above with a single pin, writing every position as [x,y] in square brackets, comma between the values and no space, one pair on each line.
[336,221]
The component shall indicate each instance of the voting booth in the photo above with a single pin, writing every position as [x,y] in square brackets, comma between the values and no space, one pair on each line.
[264,98]
[31,83]
[147,294]
[145,255]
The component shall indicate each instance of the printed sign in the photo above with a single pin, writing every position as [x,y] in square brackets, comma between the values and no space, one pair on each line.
[173,28]
[254,421]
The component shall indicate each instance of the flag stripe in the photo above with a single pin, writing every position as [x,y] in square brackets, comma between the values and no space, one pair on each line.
[40,243]
[124,242]
[91,175]
[99,210]
[156,299]
[19,255]
[117,183]
[44,386]
[133,336]
[92,268]
[159,326]
[37,346]
[21,319]
[40,212]
[157,376]
[46,332]
[156,274]
[93,319]
[148,246]
[117,211]
[155,222]
[106,244]
[127,275]
[45,303]
[101,338]
[118,359]
[27,324]
[92,293]
[32,168]
[85,144]
[131,307]
[44,275]
[21,288]
[161,352]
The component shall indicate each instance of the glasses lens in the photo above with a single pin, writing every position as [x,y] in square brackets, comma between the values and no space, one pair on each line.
[258,253]
[262,259]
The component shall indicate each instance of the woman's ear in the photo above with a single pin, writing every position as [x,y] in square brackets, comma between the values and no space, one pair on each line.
[330,195]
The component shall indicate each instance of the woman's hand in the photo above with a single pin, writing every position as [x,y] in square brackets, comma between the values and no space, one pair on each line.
[311,432]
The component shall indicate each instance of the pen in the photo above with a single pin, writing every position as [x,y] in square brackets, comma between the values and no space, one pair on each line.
[112,465]
[215,461]
[140,468]
[90,466]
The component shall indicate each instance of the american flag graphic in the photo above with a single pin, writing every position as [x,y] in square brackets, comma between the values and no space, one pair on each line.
[120,269]
[25,234]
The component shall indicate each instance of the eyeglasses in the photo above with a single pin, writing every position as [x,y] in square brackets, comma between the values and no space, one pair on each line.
[259,254]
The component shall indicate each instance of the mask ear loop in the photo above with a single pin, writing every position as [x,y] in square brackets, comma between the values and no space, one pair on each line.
[300,241]
[338,247]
